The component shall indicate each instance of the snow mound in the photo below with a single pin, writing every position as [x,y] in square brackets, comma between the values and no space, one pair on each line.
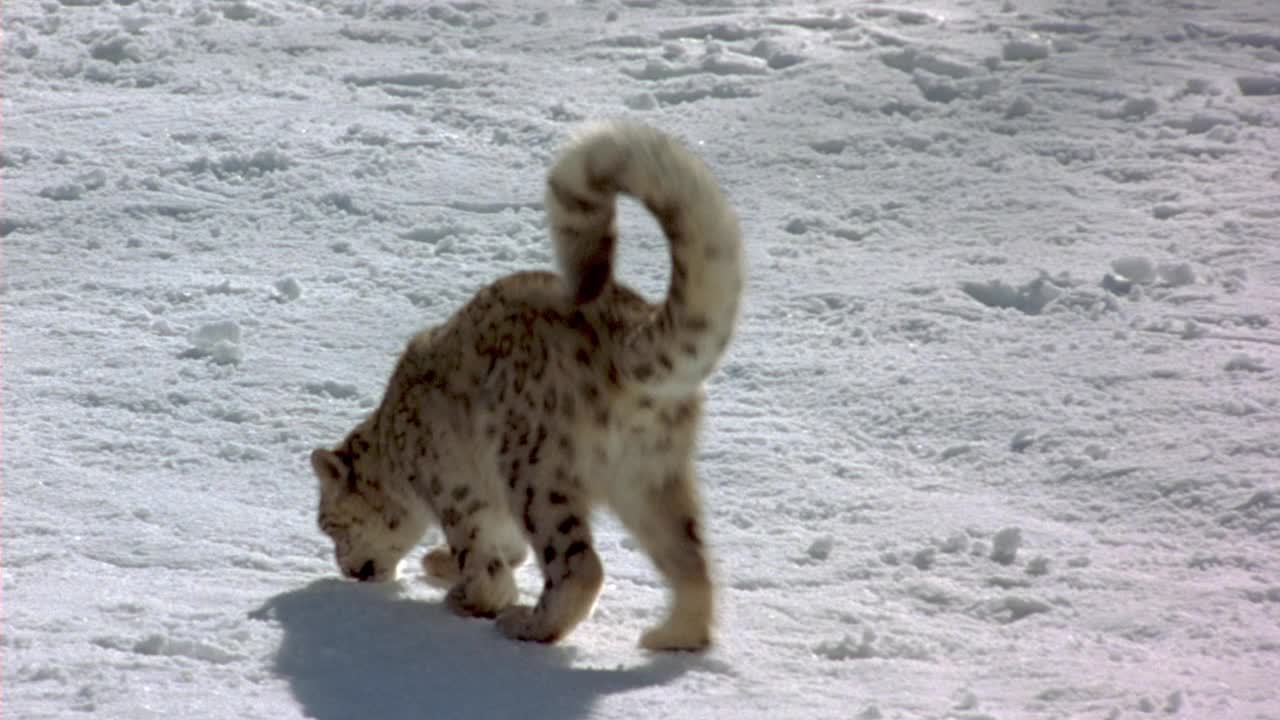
[77,188]
[871,645]
[242,166]
[218,341]
[1138,269]
[287,289]
[1021,49]
[848,648]
[1126,272]
[173,647]
[1011,609]
[1004,546]
[909,60]
[1245,363]
[1031,298]
[820,549]
[333,389]
[1022,440]
[1136,108]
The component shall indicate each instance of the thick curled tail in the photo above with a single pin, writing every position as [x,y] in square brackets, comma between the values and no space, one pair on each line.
[682,342]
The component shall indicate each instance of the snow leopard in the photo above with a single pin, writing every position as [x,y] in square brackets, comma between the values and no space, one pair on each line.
[548,395]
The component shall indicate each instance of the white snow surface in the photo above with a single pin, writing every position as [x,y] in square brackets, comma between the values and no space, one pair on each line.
[957,464]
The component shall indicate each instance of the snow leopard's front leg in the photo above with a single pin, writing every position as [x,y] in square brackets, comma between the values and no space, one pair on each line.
[483,552]
[441,563]
[555,516]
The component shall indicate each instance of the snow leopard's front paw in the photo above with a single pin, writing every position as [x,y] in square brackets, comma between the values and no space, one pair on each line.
[521,622]
[478,598]
[440,563]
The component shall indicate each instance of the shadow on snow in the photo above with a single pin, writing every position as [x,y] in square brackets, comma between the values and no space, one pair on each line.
[352,651]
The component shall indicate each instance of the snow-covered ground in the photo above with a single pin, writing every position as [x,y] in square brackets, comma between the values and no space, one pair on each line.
[999,436]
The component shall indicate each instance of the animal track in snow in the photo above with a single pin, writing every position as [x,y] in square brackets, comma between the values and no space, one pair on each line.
[1258,85]
[722,31]
[717,64]
[411,80]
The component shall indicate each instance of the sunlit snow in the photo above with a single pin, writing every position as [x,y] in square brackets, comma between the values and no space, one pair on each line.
[999,436]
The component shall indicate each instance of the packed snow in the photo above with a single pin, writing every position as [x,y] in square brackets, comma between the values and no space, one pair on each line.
[999,436]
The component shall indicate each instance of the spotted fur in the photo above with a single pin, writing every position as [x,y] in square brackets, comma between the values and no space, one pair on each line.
[548,395]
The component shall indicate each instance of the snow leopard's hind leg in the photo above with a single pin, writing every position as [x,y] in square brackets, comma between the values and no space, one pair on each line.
[663,513]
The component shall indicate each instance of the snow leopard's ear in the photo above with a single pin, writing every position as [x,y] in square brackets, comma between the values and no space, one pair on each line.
[328,467]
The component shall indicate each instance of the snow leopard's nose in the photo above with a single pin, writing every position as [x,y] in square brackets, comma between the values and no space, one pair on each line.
[366,571]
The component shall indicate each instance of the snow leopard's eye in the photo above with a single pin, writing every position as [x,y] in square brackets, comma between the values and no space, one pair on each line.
[332,528]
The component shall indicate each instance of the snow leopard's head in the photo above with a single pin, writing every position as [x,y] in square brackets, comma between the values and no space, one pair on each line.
[371,525]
